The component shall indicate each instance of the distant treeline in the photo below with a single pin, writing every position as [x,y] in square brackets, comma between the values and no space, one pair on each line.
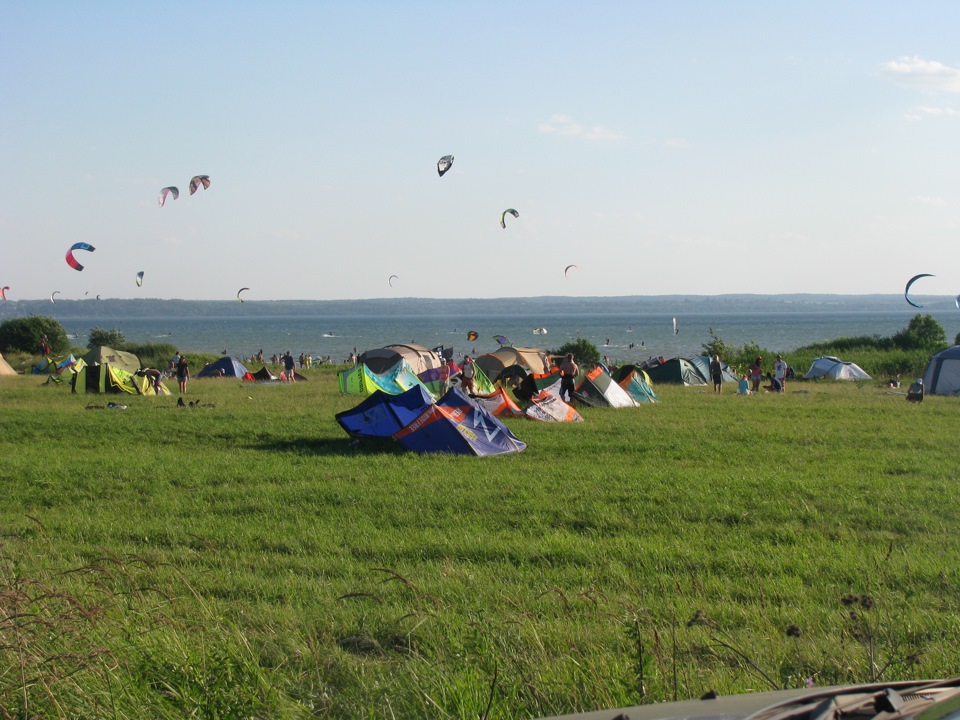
[543,306]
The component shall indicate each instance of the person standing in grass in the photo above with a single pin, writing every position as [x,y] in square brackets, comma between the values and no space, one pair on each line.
[183,373]
[568,377]
[289,365]
[780,372]
[716,374]
[756,374]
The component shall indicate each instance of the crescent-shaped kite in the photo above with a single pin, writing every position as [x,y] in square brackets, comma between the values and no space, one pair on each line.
[503,216]
[71,260]
[911,281]
[957,301]
[567,269]
[390,279]
[240,291]
[140,279]
[162,198]
[197,181]
[53,296]
[472,335]
[3,292]
[444,163]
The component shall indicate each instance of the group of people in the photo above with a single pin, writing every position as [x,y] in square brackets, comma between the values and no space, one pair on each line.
[750,382]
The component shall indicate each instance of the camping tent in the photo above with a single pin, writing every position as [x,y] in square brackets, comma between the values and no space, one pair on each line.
[533,360]
[675,370]
[107,378]
[702,363]
[831,368]
[418,357]
[458,426]
[598,388]
[383,415]
[942,376]
[227,366]
[6,368]
[102,355]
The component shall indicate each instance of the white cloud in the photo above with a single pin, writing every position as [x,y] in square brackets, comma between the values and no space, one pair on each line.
[928,76]
[566,126]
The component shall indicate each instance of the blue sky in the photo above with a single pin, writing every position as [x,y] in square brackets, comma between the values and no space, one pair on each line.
[682,147]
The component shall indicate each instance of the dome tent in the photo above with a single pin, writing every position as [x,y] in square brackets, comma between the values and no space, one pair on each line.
[942,376]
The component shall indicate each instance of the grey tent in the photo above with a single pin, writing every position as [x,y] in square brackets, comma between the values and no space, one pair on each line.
[942,376]
[675,370]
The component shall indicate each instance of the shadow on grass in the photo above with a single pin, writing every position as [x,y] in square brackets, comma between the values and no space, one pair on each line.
[346,447]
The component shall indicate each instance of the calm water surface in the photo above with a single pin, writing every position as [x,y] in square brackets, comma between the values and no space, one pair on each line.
[622,337]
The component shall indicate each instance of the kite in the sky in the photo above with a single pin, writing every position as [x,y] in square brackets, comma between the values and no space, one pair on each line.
[472,336]
[390,279]
[140,279]
[501,339]
[957,301]
[444,163]
[503,216]
[197,181]
[906,290]
[168,191]
[3,292]
[71,260]
[567,269]
[53,296]
[240,291]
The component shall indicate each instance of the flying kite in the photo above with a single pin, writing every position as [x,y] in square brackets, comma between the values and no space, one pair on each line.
[390,279]
[197,181]
[240,291]
[168,191]
[676,330]
[472,336]
[53,296]
[906,290]
[501,339]
[3,292]
[71,260]
[140,279]
[503,215]
[444,163]
[567,269]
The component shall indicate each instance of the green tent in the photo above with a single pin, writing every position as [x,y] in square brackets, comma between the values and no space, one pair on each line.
[106,378]
[103,355]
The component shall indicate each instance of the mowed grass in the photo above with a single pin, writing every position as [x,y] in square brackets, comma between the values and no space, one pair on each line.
[244,558]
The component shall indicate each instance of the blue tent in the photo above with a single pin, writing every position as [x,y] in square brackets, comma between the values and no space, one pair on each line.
[383,414]
[230,366]
[458,426]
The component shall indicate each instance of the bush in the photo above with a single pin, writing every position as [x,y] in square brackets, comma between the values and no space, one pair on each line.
[111,338]
[923,333]
[153,355]
[584,352]
[26,335]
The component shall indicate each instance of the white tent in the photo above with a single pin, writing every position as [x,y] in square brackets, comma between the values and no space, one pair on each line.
[5,368]
[831,368]
[942,376]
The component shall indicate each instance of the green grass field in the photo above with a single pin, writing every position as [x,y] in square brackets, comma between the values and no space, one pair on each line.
[244,559]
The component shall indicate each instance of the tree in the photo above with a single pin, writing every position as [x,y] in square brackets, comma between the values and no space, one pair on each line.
[923,333]
[111,338]
[26,335]
[584,351]
[717,346]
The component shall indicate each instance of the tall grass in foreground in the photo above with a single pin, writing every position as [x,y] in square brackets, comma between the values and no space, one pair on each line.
[245,559]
